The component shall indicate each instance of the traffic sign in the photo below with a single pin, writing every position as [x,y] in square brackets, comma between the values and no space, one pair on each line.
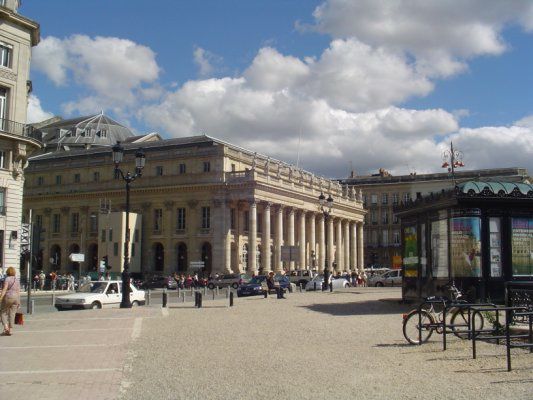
[77,257]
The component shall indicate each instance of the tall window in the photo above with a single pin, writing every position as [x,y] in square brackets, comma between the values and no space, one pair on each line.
[159,170]
[102,236]
[384,217]
[39,220]
[3,201]
[183,168]
[5,55]
[246,221]
[96,176]
[58,179]
[94,223]
[373,217]
[74,222]
[180,223]
[206,217]
[77,178]
[3,159]
[396,237]
[3,105]
[115,249]
[406,197]
[158,219]
[385,237]
[232,218]
[384,198]
[40,180]
[395,199]
[56,223]
[110,234]
[374,199]
[207,166]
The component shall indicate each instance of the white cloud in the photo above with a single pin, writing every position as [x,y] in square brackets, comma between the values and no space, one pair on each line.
[35,111]
[440,34]
[204,60]
[110,68]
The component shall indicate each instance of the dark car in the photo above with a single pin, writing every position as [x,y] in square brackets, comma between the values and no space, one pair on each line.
[256,286]
[160,282]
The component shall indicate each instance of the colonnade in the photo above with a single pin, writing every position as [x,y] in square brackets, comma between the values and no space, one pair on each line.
[283,226]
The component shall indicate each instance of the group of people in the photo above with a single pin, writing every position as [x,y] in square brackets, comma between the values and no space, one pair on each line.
[188,280]
[56,281]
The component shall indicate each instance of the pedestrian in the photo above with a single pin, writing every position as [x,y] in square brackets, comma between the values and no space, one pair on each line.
[42,278]
[9,300]
[53,278]
[71,280]
[273,285]
[365,279]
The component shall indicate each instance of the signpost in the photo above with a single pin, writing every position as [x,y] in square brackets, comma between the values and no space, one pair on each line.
[290,253]
[196,264]
[77,257]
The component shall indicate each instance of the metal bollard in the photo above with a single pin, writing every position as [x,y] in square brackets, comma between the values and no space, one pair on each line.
[300,287]
[32,306]
[265,293]
[216,288]
[178,291]
[231,299]
[196,299]
[192,290]
[228,291]
[199,302]
[331,287]
[183,297]
[53,299]
[213,292]
[314,284]
[205,290]
[147,295]
[165,298]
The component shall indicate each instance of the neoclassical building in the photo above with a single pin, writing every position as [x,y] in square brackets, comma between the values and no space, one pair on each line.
[17,36]
[201,200]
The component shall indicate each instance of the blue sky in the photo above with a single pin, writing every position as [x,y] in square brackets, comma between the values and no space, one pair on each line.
[366,83]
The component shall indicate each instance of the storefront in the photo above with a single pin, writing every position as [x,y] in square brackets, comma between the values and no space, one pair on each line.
[480,235]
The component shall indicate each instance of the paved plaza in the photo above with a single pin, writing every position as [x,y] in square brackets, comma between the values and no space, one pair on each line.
[341,345]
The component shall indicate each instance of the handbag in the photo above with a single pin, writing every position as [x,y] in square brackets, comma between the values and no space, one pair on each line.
[19,318]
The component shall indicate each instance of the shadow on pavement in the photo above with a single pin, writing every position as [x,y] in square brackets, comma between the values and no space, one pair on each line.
[368,307]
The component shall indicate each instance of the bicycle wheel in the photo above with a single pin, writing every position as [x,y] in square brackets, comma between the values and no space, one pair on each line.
[459,323]
[411,324]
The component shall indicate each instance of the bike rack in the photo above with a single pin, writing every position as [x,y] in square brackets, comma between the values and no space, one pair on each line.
[510,313]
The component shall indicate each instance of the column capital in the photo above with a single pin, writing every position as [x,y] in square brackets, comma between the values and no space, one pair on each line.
[266,204]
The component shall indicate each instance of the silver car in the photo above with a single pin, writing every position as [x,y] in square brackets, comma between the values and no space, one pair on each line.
[233,280]
[391,278]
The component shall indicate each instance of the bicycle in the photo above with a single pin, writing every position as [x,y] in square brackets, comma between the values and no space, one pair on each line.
[419,324]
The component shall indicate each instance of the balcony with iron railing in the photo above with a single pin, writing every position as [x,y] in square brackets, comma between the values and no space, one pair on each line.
[17,128]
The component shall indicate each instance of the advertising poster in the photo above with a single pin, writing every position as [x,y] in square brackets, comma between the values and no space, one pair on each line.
[522,246]
[410,259]
[466,246]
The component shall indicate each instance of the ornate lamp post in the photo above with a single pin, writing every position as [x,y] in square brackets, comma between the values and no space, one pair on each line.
[325,205]
[451,159]
[140,160]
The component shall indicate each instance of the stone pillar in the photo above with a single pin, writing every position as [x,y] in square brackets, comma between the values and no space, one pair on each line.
[302,264]
[360,255]
[321,244]
[353,245]
[312,241]
[278,240]
[339,254]
[252,239]
[168,230]
[330,243]
[290,234]
[266,239]
[346,246]
[227,237]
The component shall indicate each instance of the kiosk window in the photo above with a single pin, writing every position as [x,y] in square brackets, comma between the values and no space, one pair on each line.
[522,246]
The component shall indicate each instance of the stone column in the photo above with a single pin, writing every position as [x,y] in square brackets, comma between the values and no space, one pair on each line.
[302,264]
[312,241]
[266,238]
[353,245]
[330,243]
[321,244]
[278,240]
[339,256]
[252,239]
[227,237]
[360,255]
[168,231]
[346,246]
[290,234]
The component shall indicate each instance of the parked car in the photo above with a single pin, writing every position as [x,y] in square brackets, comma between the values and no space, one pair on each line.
[338,283]
[390,278]
[257,285]
[233,280]
[301,277]
[99,294]
[160,282]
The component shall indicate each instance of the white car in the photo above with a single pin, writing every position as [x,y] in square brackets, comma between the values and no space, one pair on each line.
[97,295]
[339,283]
[391,278]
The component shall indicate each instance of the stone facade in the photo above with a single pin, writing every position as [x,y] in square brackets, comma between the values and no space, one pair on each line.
[201,200]
[17,36]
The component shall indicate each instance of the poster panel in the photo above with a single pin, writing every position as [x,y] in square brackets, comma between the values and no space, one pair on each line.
[466,246]
[439,248]
[522,246]
[410,257]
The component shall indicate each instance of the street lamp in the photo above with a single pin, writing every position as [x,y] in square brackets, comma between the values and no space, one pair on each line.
[140,160]
[451,159]
[325,205]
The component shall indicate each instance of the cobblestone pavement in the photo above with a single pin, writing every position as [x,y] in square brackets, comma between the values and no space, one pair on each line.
[340,345]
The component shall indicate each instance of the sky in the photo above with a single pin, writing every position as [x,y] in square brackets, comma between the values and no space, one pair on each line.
[330,86]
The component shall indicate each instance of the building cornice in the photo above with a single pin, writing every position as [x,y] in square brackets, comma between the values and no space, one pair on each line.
[30,25]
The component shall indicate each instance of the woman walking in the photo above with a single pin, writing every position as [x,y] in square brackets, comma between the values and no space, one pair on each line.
[10,300]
